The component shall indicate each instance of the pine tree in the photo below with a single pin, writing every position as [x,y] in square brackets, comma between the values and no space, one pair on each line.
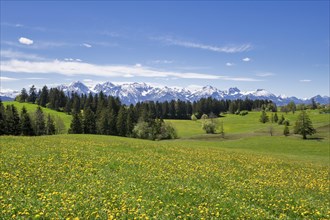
[286,130]
[122,122]
[89,124]
[103,126]
[3,122]
[281,120]
[76,125]
[263,117]
[50,126]
[40,126]
[26,123]
[130,122]
[304,125]
[23,96]
[32,95]
[44,97]
[275,118]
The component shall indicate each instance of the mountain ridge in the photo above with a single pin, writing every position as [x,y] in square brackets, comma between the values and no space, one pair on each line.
[131,93]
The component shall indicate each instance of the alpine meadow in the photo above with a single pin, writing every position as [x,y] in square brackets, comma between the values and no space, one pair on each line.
[164,110]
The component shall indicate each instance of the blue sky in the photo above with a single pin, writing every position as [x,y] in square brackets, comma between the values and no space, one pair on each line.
[279,46]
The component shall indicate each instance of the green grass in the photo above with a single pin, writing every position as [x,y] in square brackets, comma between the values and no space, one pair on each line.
[31,108]
[88,176]
[246,175]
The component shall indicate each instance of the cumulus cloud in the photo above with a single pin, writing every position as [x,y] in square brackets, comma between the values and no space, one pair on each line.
[26,41]
[82,68]
[223,49]
[87,45]
[305,80]
[246,59]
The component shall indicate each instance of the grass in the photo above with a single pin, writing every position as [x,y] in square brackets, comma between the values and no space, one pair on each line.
[31,108]
[88,176]
[246,175]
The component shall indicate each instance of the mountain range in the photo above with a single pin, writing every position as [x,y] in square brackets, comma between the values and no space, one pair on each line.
[131,93]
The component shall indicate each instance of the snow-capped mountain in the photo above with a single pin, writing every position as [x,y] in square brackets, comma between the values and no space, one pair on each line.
[131,93]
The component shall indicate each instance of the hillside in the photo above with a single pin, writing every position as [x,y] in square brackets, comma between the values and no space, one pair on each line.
[32,108]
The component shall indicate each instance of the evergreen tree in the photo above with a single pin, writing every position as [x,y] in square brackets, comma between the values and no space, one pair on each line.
[39,124]
[292,107]
[275,118]
[286,130]
[23,96]
[76,125]
[263,117]
[314,105]
[89,124]
[3,122]
[103,125]
[130,122]
[50,127]
[304,125]
[13,126]
[44,97]
[32,95]
[122,122]
[26,123]
[222,131]
[281,120]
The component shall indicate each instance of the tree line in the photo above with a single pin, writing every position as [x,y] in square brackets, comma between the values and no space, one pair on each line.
[14,123]
[101,114]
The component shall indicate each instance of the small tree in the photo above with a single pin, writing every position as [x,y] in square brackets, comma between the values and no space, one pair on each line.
[304,125]
[286,131]
[271,130]
[222,131]
[281,120]
[193,117]
[275,118]
[263,117]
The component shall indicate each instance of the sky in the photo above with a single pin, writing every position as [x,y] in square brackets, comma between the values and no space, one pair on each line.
[280,46]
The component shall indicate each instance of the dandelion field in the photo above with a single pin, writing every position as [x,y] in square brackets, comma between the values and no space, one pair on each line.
[90,177]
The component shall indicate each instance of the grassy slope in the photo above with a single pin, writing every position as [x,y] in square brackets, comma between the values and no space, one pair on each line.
[32,108]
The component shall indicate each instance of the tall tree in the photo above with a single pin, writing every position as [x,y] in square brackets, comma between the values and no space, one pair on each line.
[50,126]
[304,125]
[121,124]
[39,124]
[89,122]
[76,125]
[26,123]
[44,97]
[32,94]
[23,96]
[3,122]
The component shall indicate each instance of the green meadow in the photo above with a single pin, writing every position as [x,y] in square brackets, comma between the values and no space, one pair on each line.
[248,174]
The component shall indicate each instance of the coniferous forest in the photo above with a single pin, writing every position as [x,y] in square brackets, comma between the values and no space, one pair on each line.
[106,115]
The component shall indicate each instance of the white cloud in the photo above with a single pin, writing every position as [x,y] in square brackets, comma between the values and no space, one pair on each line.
[26,41]
[230,64]
[7,79]
[265,74]
[81,68]
[87,45]
[19,55]
[163,61]
[223,49]
[138,65]
[246,59]
[305,80]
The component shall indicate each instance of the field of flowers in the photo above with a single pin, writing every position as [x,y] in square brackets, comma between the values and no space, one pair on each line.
[90,177]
